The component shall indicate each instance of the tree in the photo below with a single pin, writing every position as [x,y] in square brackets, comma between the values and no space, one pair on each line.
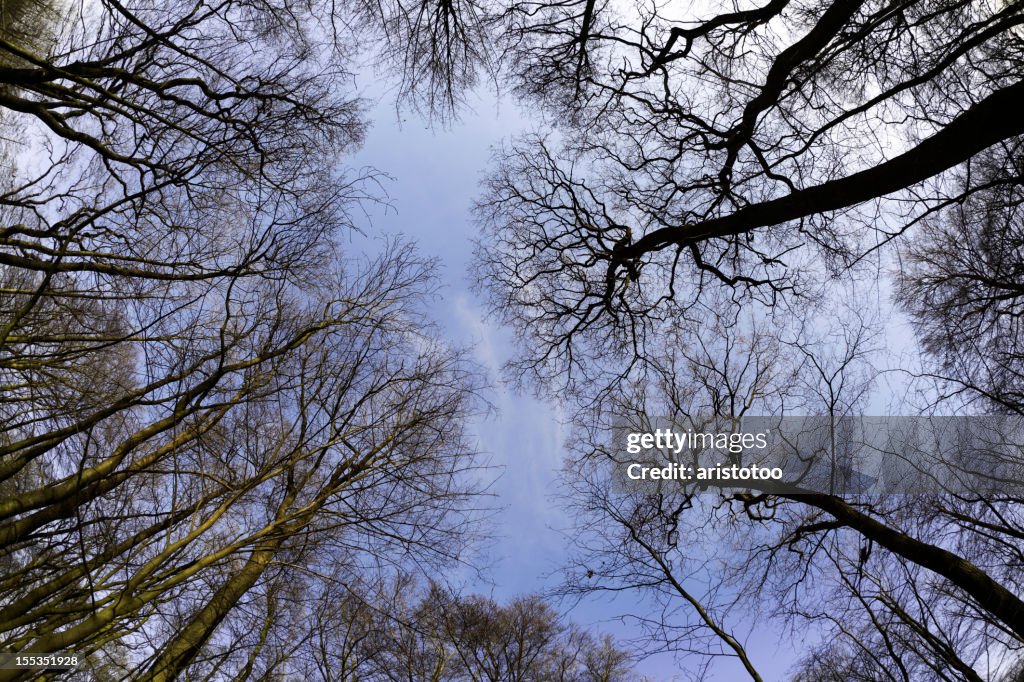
[211,411]
[962,286]
[404,634]
[739,151]
[850,571]
[751,160]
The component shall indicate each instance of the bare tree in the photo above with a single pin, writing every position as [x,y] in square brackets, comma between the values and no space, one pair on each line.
[962,284]
[208,405]
[401,631]
[852,571]
[742,150]
[750,160]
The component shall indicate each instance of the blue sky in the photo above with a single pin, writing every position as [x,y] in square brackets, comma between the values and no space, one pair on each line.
[436,174]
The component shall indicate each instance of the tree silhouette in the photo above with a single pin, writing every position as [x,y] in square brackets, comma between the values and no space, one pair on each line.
[679,244]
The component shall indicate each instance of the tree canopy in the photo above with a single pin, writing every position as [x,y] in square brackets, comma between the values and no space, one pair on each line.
[218,420]
[731,202]
[213,413]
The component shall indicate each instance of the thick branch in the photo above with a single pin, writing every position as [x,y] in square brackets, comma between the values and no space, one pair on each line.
[995,118]
[989,594]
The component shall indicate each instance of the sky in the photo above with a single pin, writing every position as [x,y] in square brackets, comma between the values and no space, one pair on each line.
[435,175]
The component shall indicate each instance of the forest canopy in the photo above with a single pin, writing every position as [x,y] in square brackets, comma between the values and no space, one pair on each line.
[220,421]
